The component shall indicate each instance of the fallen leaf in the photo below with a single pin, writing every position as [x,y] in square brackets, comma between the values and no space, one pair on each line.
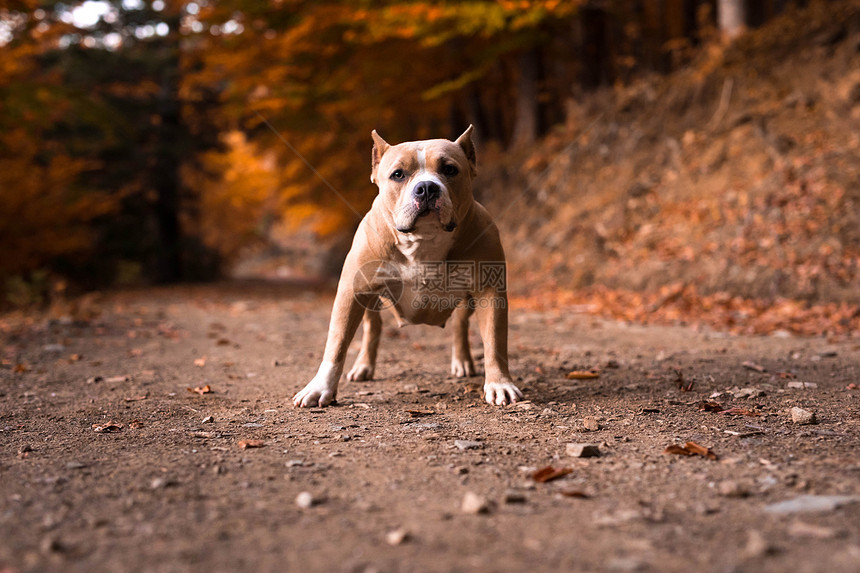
[116,379]
[135,352]
[753,366]
[135,424]
[583,375]
[223,342]
[852,386]
[74,358]
[741,412]
[21,368]
[710,406]
[201,390]
[200,362]
[786,375]
[420,413]
[550,473]
[245,444]
[574,493]
[691,449]
[107,428]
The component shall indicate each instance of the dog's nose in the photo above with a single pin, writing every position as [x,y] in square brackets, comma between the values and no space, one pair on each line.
[426,191]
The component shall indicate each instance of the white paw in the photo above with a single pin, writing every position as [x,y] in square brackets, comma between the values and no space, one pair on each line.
[462,368]
[501,393]
[322,390]
[360,372]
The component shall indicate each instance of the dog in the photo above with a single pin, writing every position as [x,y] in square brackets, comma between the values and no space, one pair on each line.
[428,251]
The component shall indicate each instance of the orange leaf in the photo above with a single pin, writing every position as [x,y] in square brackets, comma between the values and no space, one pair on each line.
[583,375]
[245,444]
[550,473]
[201,390]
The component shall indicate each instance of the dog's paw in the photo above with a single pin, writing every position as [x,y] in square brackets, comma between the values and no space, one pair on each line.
[360,372]
[322,390]
[312,397]
[462,368]
[501,393]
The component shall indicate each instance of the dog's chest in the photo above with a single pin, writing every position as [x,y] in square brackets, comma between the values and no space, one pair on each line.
[426,296]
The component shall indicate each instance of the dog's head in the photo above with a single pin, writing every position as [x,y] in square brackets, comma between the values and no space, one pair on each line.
[431,178]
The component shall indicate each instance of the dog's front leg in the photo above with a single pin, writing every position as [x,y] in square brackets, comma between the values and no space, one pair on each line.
[492,313]
[345,316]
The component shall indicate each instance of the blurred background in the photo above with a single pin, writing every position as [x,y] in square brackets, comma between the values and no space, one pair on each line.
[683,159]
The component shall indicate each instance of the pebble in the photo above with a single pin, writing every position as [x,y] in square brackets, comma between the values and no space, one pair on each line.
[396,537]
[590,423]
[208,420]
[474,504]
[795,384]
[811,503]
[583,450]
[732,488]
[801,416]
[468,445]
[252,425]
[757,545]
[306,500]
[295,463]
[811,531]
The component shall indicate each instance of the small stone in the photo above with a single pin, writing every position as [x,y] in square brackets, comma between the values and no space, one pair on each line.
[208,420]
[468,445]
[808,530]
[590,424]
[396,537]
[295,463]
[732,488]
[757,545]
[802,417]
[583,450]
[812,503]
[513,496]
[796,384]
[161,483]
[474,504]
[252,425]
[306,500]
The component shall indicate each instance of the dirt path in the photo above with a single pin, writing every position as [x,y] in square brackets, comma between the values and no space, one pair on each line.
[172,491]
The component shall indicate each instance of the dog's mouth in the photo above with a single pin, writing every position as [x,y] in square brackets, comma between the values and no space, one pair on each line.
[421,210]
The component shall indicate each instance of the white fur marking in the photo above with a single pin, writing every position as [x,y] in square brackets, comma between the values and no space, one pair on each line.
[422,159]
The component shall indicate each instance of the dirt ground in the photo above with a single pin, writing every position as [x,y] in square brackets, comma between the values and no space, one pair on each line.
[386,470]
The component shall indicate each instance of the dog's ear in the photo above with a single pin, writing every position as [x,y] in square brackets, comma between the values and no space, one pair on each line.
[380,146]
[468,146]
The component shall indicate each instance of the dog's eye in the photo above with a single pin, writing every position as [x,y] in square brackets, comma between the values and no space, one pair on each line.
[449,170]
[398,175]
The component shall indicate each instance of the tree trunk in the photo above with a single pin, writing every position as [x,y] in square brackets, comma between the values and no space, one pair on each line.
[166,179]
[731,15]
[527,111]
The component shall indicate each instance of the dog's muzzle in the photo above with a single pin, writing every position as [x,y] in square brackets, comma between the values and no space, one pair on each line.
[425,197]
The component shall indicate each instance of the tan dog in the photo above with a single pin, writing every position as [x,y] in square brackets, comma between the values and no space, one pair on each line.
[427,250]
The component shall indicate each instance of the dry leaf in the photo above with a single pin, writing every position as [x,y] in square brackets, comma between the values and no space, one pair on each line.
[245,444]
[574,493]
[135,424]
[753,366]
[583,375]
[710,406]
[108,427]
[223,342]
[691,449]
[201,390]
[420,413]
[117,379]
[550,473]
[741,412]
[21,368]
[74,358]
[200,362]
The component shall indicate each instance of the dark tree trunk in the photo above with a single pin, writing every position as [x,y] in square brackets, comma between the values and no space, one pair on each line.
[527,107]
[166,179]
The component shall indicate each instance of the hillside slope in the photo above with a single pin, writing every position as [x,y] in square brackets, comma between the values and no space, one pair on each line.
[733,182]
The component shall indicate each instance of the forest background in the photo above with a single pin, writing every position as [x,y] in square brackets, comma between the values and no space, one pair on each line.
[652,160]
